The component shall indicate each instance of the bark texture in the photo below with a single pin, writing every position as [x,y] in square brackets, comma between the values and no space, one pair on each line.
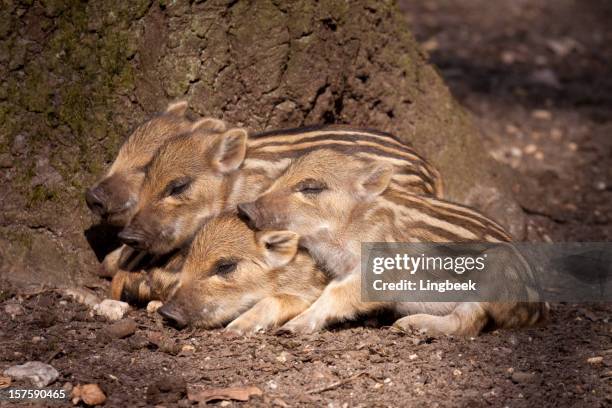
[77,76]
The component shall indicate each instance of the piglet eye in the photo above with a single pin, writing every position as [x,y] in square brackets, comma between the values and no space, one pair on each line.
[225,267]
[178,186]
[310,186]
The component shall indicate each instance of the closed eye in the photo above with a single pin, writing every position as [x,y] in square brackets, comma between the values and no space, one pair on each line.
[225,267]
[310,187]
[177,186]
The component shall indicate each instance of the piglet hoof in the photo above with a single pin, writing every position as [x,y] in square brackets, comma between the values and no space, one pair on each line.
[424,323]
[295,327]
[243,328]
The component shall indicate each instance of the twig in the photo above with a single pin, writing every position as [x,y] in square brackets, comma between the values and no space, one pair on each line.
[53,355]
[337,383]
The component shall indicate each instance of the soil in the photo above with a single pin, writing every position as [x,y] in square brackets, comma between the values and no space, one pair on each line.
[536,77]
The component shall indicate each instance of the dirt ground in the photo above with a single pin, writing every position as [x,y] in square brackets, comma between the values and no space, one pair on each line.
[536,77]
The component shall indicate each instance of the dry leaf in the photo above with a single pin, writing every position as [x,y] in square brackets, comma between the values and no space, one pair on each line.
[90,394]
[5,382]
[199,394]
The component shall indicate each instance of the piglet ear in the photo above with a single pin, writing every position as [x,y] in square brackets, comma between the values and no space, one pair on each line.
[177,108]
[230,150]
[209,125]
[374,180]
[279,247]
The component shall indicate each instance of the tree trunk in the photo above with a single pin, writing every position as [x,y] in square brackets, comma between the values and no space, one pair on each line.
[77,76]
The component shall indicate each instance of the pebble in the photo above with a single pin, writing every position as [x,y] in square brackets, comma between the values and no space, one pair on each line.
[282,357]
[5,382]
[90,394]
[6,161]
[13,309]
[188,349]
[541,114]
[508,57]
[521,377]
[82,296]
[600,186]
[516,152]
[457,372]
[39,374]
[556,134]
[595,360]
[121,329]
[413,357]
[153,305]
[111,309]
[530,149]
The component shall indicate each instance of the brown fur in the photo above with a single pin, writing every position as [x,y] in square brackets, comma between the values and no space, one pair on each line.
[336,202]
[219,171]
[115,196]
[269,283]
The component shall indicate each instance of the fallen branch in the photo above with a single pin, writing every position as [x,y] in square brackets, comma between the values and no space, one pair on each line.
[337,383]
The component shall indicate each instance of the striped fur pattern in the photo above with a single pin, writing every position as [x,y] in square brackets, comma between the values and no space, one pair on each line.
[336,202]
[193,177]
[412,172]
[166,222]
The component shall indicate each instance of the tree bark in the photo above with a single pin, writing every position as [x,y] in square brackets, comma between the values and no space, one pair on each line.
[77,76]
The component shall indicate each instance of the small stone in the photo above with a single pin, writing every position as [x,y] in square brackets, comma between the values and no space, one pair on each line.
[282,357]
[512,130]
[539,156]
[431,45]
[600,186]
[516,152]
[111,309]
[541,114]
[508,57]
[6,161]
[521,377]
[5,382]
[121,329]
[595,360]
[413,357]
[67,387]
[13,309]
[37,339]
[530,149]
[19,144]
[39,374]
[83,296]
[90,394]
[153,305]
[187,349]
[556,134]
[572,146]
[138,342]
[387,380]
[546,77]
[457,372]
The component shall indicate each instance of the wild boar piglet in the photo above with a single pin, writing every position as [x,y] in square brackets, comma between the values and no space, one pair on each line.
[336,202]
[195,176]
[114,196]
[254,280]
